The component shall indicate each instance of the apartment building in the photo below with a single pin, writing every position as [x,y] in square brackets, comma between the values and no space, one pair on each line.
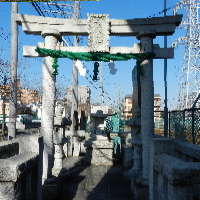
[24,96]
[128,106]
[157,106]
[27,96]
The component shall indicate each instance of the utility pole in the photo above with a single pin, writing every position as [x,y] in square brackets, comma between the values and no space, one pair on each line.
[118,99]
[165,82]
[74,110]
[13,74]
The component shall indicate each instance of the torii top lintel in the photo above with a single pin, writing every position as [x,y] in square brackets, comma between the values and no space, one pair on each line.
[128,27]
[99,27]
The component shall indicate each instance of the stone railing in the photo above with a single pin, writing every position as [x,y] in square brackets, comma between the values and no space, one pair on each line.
[19,168]
[186,151]
[174,170]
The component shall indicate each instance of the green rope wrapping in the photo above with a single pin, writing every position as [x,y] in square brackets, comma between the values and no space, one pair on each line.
[93,57]
[55,66]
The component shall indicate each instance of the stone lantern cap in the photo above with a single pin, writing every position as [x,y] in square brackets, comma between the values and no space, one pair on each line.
[99,113]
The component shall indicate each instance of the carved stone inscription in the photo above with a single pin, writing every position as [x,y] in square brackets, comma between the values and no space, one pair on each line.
[98,29]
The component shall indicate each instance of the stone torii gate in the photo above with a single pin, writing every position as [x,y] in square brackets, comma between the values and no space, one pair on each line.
[98,28]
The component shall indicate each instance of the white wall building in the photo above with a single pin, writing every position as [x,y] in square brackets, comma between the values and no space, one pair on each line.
[83,94]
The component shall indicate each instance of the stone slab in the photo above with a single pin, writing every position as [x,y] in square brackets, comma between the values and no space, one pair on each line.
[103,153]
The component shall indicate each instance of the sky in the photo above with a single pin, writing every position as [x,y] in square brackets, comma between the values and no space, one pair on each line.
[113,85]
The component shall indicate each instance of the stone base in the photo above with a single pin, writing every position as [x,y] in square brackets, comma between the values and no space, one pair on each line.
[101,161]
[140,189]
[102,156]
[99,152]
[107,153]
[56,171]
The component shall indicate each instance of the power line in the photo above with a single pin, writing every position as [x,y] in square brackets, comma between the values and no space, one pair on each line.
[62,13]
[37,8]
[44,9]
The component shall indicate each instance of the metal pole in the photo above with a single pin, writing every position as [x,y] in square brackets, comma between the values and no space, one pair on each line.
[119,105]
[165,82]
[193,136]
[169,124]
[101,84]
[13,74]
[74,111]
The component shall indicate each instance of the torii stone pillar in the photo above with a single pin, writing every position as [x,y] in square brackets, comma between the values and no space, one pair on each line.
[147,99]
[48,100]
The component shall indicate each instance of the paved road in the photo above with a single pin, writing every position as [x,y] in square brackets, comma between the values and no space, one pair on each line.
[95,183]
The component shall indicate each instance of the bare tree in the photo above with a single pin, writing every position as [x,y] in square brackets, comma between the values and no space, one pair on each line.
[4,89]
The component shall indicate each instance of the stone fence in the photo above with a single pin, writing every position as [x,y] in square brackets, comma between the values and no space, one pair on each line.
[174,165]
[19,168]
[174,170]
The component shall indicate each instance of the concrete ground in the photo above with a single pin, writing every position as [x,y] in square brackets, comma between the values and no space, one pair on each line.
[92,182]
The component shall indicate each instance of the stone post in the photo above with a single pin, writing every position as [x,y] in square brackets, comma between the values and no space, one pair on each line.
[136,126]
[58,140]
[147,99]
[58,155]
[48,102]
[137,145]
